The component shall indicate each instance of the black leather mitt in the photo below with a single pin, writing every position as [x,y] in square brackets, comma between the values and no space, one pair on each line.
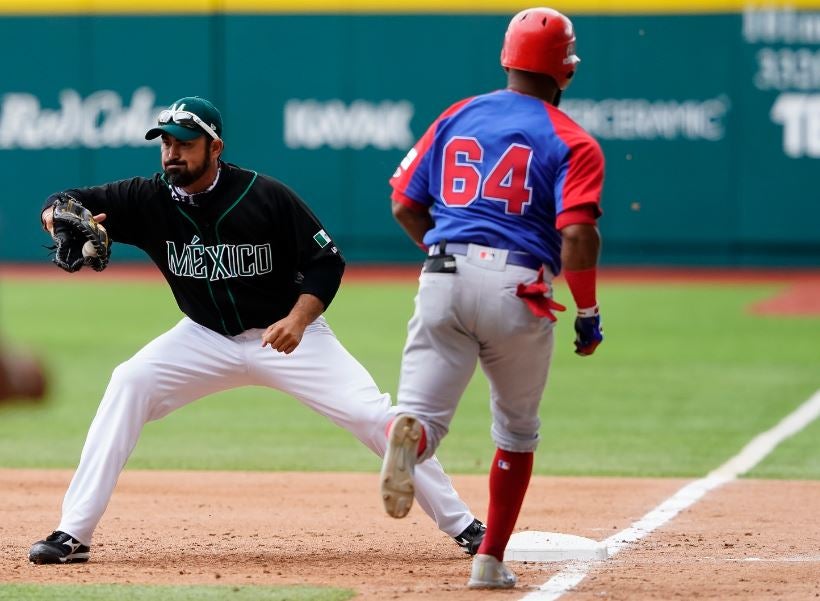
[75,229]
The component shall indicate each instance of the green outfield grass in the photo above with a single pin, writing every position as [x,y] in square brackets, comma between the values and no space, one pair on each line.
[115,592]
[685,378]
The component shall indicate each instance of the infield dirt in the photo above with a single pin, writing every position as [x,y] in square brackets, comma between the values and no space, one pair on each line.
[751,539]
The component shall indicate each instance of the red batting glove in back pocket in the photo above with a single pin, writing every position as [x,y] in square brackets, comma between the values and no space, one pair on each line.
[536,296]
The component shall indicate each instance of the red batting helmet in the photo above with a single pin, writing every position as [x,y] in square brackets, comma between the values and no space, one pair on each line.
[541,40]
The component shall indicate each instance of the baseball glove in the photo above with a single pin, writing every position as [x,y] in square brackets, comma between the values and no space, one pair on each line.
[75,228]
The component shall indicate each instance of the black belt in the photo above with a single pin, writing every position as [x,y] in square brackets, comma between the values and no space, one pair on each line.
[514,257]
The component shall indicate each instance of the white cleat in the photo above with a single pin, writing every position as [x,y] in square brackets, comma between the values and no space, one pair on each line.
[488,572]
[399,463]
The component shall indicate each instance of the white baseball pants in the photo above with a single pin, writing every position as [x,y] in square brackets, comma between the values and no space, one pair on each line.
[468,317]
[190,361]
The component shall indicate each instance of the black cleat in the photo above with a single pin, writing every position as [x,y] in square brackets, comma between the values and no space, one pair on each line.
[470,539]
[58,547]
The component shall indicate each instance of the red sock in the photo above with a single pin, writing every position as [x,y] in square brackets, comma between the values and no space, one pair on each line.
[509,479]
[422,441]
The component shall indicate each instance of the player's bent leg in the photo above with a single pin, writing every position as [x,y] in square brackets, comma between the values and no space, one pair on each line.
[516,361]
[404,442]
[517,365]
[440,354]
[517,383]
[178,367]
[324,376]
[438,361]
[437,497]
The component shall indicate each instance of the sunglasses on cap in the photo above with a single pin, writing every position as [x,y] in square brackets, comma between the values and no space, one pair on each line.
[186,119]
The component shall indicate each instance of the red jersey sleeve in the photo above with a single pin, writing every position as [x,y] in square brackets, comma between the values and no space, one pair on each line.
[580,176]
[584,214]
[405,175]
[410,181]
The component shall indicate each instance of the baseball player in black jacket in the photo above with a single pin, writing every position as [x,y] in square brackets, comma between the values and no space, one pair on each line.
[251,267]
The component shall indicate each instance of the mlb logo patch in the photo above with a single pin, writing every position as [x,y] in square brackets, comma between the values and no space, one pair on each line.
[321,238]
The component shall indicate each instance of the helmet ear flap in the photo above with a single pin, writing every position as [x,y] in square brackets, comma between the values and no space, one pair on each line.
[541,40]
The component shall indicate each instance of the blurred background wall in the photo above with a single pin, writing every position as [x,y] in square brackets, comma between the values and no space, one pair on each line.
[708,112]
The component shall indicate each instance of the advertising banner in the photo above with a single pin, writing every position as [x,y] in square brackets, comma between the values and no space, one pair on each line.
[708,114]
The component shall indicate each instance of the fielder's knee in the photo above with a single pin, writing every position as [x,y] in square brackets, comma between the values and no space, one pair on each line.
[133,374]
[133,383]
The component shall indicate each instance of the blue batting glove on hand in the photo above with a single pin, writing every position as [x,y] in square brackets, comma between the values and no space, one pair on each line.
[588,334]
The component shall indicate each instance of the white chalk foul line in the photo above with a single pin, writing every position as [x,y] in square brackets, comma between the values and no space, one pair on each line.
[752,454]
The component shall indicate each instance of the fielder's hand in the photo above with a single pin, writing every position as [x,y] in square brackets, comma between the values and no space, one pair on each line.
[48,219]
[285,335]
[588,335]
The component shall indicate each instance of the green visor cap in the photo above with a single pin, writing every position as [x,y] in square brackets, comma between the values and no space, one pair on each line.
[175,122]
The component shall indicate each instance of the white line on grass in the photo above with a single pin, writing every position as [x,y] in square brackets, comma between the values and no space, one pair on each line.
[750,456]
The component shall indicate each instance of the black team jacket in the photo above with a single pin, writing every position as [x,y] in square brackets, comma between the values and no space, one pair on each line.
[236,257]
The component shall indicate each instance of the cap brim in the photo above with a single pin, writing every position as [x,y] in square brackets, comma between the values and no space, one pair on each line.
[172,129]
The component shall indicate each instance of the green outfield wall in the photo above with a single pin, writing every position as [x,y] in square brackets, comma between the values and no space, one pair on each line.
[708,112]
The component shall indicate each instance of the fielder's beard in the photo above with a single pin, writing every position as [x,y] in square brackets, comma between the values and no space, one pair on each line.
[181,176]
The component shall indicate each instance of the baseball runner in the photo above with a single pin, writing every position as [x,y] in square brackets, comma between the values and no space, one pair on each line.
[502,191]
[253,270]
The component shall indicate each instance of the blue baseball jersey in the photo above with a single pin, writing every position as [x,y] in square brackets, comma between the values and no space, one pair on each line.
[505,170]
